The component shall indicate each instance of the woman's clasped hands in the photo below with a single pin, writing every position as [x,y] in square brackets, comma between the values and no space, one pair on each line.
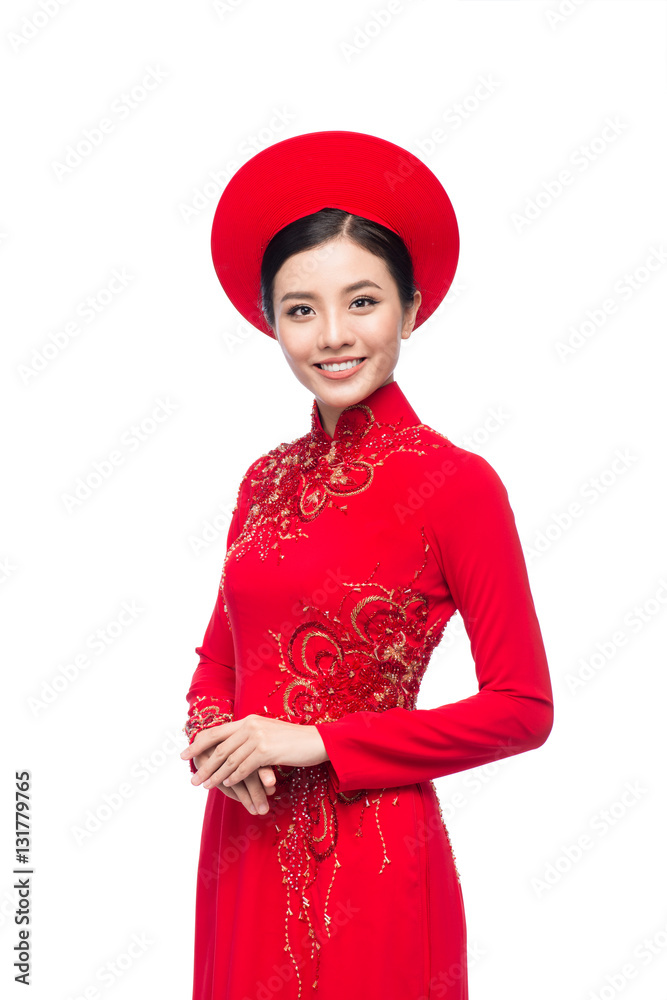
[237,757]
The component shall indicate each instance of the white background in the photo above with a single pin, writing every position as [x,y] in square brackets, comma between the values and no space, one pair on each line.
[141,203]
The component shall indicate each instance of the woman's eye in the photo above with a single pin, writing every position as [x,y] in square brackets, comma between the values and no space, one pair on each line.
[293,310]
[364,299]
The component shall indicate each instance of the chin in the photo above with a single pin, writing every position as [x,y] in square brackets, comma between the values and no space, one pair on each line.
[346,392]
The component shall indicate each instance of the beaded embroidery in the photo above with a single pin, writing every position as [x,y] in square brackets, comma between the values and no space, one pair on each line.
[293,483]
[202,716]
[444,826]
[370,655]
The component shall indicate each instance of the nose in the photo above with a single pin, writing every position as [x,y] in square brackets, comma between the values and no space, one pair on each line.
[334,332]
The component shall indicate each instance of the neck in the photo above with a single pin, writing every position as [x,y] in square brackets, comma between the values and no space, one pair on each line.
[329,414]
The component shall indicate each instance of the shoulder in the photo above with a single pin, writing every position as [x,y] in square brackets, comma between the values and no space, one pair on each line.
[458,478]
[269,459]
[266,464]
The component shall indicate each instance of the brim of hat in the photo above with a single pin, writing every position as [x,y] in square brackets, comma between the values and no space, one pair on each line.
[359,173]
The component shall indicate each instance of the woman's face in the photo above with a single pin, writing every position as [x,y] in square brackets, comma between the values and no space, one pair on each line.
[334,303]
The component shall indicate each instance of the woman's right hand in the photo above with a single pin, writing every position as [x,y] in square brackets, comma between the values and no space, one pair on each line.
[252,791]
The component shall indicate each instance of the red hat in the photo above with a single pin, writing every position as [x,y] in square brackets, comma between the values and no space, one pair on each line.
[360,173]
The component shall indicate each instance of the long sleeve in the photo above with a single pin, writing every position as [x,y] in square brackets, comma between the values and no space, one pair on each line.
[472,531]
[211,694]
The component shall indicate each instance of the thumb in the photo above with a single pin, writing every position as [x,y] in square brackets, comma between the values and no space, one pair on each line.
[266,775]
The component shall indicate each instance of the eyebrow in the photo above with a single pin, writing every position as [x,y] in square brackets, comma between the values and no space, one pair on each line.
[348,288]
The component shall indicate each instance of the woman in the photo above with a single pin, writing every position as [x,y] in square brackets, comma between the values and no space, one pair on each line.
[325,866]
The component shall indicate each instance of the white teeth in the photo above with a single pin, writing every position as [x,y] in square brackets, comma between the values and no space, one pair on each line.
[342,366]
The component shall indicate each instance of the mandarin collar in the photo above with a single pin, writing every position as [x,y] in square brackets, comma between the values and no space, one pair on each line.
[385,405]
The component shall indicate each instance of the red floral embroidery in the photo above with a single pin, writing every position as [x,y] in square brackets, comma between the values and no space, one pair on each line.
[370,654]
[201,716]
[293,483]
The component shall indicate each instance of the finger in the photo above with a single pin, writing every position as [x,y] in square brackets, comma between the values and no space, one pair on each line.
[218,759]
[268,778]
[256,788]
[232,758]
[237,767]
[208,737]
[231,792]
[243,796]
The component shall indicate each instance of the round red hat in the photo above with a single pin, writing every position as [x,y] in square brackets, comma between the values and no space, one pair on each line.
[359,173]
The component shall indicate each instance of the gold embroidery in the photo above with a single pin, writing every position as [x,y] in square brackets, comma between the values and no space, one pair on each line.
[444,825]
[370,654]
[293,483]
[201,716]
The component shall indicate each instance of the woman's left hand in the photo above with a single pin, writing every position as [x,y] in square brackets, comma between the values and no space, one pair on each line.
[248,743]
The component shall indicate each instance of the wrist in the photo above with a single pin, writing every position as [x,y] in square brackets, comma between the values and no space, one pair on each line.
[321,750]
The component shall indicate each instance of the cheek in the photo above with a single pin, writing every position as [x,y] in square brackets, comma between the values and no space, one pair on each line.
[296,353]
[383,331]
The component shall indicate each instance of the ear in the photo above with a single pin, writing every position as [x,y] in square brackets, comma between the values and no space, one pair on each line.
[410,316]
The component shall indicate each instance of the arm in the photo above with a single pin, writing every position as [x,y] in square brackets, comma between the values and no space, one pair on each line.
[211,694]
[472,531]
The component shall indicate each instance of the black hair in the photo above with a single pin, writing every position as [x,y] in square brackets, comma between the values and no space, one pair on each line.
[327,224]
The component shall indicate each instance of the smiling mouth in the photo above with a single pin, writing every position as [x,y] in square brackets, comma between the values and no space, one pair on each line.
[340,366]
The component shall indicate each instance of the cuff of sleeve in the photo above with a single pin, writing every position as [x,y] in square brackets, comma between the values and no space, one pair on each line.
[332,775]
[206,711]
[342,777]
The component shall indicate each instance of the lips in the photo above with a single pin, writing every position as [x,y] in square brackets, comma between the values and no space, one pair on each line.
[339,361]
[345,372]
